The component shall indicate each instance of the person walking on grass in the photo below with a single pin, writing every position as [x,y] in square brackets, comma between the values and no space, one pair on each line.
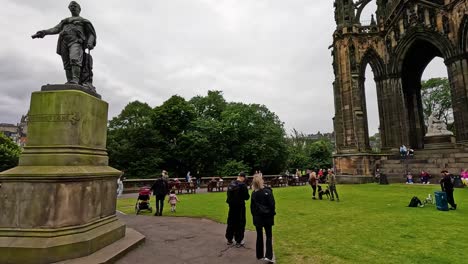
[331,180]
[237,194]
[446,183]
[160,189]
[173,200]
[313,183]
[262,207]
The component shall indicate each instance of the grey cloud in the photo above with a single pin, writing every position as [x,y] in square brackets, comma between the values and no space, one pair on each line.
[271,52]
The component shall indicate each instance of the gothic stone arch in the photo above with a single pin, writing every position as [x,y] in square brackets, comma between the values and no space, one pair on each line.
[398,46]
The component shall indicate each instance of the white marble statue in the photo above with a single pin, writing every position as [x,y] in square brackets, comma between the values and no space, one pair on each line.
[436,127]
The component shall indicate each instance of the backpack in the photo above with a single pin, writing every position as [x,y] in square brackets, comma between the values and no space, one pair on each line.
[233,193]
[264,206]
[415,202]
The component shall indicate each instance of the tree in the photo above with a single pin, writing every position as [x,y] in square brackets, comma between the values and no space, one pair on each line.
[132,144]
[9,153]
[305,152]
[255,136]
[437,100]
[204,135]
[375,142]
[233,168]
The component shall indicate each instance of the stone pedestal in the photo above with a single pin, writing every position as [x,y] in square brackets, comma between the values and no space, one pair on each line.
[356,167]
[60,202]
[439,141]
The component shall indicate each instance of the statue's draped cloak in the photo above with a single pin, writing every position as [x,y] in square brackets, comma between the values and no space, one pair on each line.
[88,28]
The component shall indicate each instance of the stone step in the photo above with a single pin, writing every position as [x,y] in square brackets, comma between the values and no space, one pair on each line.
[112,252]
[461,160]
[390,161]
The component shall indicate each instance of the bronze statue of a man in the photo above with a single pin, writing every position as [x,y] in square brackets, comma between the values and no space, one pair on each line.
[76,35]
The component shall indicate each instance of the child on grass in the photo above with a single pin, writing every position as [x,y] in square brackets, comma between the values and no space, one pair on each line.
[173,200]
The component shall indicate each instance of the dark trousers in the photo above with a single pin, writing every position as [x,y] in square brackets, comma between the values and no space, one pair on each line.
[268,244]
[314,189]
[236,223]
[450,199]
[333,191]
[159,204]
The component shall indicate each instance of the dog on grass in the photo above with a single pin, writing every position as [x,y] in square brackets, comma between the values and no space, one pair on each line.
[322,192]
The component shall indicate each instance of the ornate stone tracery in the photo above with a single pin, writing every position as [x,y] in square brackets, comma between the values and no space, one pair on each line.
[406,36]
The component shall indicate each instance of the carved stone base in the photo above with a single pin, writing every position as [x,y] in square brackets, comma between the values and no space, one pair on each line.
[38,246]
[60,202]
[359,168]
[438,142]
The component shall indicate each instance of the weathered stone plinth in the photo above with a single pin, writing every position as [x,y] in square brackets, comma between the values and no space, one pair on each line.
[438,142]
[60,202]
[355,167]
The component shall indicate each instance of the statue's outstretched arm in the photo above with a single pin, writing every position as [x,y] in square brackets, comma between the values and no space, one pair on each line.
[50,31]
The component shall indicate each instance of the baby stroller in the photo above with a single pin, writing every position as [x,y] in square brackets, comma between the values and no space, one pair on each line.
[143,201]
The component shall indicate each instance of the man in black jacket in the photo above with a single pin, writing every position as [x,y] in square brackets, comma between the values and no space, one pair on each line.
[447,187]
[237,194]
[160,188]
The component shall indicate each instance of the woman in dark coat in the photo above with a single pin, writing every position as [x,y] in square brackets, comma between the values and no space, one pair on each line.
[262,207]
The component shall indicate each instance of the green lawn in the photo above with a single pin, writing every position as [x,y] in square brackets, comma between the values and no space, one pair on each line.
[371,224]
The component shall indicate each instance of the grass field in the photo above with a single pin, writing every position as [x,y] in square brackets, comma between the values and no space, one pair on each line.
[371,224]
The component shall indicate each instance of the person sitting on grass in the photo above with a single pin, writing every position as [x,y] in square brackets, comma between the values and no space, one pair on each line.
[409,178]
[424,177]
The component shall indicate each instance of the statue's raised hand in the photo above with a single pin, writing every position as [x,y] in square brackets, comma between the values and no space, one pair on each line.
[39,34]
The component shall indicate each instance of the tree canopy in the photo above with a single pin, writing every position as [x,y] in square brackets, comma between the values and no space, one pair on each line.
[436,98]
[205,135]
[208,136]
[9,153]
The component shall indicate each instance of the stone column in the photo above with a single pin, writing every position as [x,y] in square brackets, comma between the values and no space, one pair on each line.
[458,76]
[394,115]
[60,202]
[360,113]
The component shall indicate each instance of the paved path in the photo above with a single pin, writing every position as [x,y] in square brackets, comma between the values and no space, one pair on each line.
[178,240]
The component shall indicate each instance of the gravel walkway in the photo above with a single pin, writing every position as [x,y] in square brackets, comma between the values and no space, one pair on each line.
[177,240]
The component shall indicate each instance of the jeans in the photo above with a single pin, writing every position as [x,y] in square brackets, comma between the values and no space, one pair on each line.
[268,244]
[159,204]
[333,190]
[236,223]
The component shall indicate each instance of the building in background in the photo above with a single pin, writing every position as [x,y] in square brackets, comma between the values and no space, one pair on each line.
[17,133]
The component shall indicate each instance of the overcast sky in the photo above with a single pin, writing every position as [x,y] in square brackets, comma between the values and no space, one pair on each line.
[271,52]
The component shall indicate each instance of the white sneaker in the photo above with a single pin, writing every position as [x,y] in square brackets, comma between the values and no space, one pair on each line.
[268,260]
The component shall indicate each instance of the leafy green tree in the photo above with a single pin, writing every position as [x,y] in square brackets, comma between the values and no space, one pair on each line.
[204,135]
[9,153]
[256,136]
[132,144]
[375,142]
[436,98]
[232,168]
[173,121]
[305,152]
[210,106]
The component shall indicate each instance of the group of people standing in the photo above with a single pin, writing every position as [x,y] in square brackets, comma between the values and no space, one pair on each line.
[330,179]
[262,208]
